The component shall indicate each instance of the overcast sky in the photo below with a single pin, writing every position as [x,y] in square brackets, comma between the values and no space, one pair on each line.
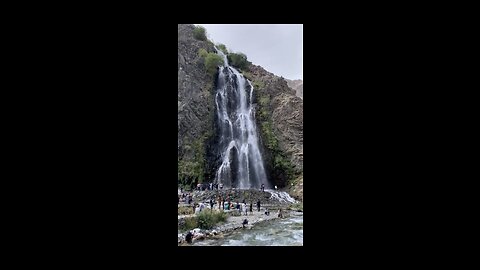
[276,47]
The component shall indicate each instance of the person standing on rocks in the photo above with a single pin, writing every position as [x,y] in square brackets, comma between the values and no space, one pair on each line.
[280,213]
[251,207]
[263,188]
[189,237]
[246,208]
[258,205]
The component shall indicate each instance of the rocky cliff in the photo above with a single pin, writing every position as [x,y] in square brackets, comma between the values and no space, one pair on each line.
[296,85]
[279,115]
[280,119]
[195,106]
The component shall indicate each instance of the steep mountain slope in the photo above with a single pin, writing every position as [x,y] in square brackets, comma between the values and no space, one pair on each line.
[296,85]
[280,118]
[195,106]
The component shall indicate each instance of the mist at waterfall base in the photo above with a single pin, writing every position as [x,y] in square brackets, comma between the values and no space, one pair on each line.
[241,161]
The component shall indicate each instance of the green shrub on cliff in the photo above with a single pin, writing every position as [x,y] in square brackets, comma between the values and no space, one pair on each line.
[238,60]
[202,52]
[212,61]
[200,33]
[222,48]
[258,84]
[283,170]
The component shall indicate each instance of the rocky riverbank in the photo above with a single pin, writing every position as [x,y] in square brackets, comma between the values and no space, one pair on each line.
[271,200]
[233,223]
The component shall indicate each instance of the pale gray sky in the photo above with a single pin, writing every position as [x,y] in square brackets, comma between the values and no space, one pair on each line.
[276,47]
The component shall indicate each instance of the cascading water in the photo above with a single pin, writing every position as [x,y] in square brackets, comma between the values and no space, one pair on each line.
[242,163]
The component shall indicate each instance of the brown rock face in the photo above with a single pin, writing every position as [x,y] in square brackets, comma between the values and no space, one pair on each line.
[280,108]
[296,85]
[195,105]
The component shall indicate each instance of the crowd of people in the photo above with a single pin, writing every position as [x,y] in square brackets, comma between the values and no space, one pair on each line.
[185,198]
[223,202]
[209,186]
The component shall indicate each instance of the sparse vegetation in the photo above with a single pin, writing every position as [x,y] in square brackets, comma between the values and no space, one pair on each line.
[238,60]
[222,48]
[282,167]
[258,84]
[202,52]
[191,171]
[205,220]
[249,76]
[188,224]
[208,219]
[212,61]
[297,207]
[200,33]
[185,210]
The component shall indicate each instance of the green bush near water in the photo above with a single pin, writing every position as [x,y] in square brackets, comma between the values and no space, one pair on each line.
[212,61]
[205,220]
[297,207]
[189,224]
[222,48]
[208,219]
[238,60]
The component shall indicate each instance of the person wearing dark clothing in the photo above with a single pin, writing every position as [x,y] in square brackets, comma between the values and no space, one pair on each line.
[189,237]
[251,207]
[245,222]
[211,204]
[263,187]
[258,205]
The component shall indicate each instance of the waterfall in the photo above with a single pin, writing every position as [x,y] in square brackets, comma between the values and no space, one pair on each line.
[241,161]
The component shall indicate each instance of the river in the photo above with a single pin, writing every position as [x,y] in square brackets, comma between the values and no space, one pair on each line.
[283,232]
